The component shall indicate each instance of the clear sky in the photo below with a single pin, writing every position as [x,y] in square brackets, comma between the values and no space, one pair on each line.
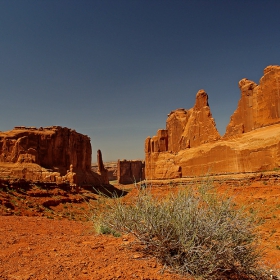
[114,69]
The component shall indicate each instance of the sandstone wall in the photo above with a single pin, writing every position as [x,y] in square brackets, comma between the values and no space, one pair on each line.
[251,142]
[130,171]
[259,105]
[191,128]
[185,128]
[54,149]
[254,151]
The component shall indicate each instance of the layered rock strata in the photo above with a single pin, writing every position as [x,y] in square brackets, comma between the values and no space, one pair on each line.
[56,154]
[191,145]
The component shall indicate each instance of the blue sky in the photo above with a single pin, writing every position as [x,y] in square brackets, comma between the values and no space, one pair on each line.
[114,69]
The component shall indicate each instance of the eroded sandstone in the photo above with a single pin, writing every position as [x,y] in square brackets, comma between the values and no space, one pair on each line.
[52,154]
[259,105]
[194,147]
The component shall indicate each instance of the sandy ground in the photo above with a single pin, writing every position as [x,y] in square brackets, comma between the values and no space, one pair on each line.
[39,248]
[47,245]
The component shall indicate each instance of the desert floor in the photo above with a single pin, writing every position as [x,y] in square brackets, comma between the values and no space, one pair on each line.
[59,241]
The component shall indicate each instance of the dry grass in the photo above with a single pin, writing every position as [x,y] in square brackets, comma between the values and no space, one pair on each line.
[193,231]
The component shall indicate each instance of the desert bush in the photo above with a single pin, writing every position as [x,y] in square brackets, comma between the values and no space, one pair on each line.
[193,231]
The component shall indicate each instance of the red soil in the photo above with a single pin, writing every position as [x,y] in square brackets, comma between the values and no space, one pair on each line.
[38,247]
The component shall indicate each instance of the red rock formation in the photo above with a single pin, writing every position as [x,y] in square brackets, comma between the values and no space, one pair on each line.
[102,171]
[191,128]
[130,171]
[201,127]
[184,129]
[46,154]
[158,143]
[257,150]
[175,126]
[251,142]
[259,105]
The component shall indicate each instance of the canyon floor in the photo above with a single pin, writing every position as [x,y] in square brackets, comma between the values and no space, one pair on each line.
[47,233]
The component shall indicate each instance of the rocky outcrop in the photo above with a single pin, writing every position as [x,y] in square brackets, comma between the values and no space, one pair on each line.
[102,171]
[259,105]
[185,128]
[254,151]
[194,147]
[47,154]
[130,171]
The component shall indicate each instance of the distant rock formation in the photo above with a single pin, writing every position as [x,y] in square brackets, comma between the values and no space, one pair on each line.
[130,171]
[102,171]
[111,169]
[191,145]
[46,154]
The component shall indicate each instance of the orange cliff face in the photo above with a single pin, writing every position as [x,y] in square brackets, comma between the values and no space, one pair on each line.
[191,144]
[47,154]
[259,105]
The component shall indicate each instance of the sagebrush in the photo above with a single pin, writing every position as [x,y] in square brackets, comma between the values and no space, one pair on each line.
[193,231]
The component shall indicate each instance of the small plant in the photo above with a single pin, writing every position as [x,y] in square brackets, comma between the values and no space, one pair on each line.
[102,229]
[193,231]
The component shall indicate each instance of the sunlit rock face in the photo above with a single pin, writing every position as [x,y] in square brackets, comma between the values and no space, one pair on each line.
[191,145]
[259,105]
[47,154]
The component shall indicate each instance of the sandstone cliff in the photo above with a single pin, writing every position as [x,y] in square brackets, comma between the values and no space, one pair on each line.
[185,128]
[47,154]
[191,145]
[259,105]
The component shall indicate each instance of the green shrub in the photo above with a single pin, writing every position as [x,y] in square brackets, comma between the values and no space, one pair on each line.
[193,231]
[103,229]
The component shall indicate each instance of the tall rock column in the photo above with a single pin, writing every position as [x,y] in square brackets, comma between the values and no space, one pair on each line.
[102,171]
[201,126]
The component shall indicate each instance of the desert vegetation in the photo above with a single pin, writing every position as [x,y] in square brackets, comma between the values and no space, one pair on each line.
[193,231]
